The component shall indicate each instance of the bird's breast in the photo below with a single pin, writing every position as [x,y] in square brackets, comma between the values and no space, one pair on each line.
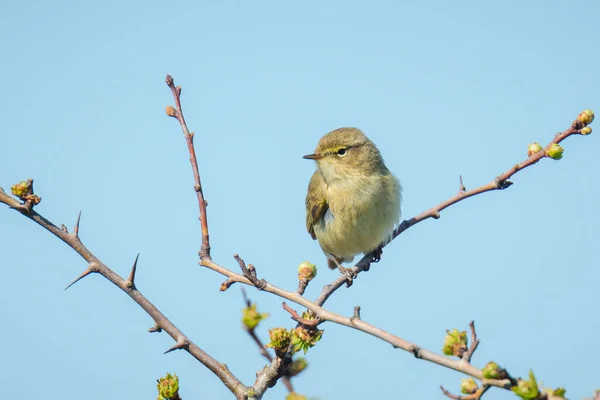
[362,213]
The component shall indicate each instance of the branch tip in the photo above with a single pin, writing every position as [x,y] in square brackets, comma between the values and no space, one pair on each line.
[468,354]
[226,285]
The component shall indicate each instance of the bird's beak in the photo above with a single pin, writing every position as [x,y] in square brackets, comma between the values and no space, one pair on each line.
[313,157]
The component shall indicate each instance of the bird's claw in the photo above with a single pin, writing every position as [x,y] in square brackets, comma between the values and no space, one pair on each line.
[376,254]
[349,274]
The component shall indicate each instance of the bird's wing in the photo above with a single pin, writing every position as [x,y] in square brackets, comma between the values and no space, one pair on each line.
[316,202]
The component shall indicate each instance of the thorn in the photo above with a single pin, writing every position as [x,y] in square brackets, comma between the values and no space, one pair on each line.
[177,346]
[64,228]
[155,328]
[131,281]
[356,315]
[80,277]
[461,187]
[76,228]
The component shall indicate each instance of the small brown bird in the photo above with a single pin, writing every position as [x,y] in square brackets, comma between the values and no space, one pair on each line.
[353,200]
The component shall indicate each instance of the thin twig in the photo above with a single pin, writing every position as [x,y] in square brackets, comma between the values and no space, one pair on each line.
[189,138]
[309,323]
[474,343]
[250,273]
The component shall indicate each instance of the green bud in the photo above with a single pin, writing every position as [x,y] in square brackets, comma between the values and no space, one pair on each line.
[251,317]
[586,117]
[534,148]
[586,131]
[280,339]
[303,339]
[555,151]
[455,343]
[493,371]
[307,271]
[295,396]
[168,387]
[527,390]
[297,366]
[468,386]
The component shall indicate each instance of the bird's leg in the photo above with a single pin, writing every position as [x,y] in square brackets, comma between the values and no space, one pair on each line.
[347,272]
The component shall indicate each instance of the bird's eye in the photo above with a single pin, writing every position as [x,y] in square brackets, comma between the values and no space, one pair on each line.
[342,152]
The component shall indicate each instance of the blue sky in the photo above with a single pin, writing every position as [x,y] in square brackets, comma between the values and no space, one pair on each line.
[443,88]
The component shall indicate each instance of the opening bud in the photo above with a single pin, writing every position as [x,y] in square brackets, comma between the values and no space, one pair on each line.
[534,148]
[468,386]
[168,387]
[586,117]
[251,317]
[555,151]
[455,343]
[307,271]
[280,339]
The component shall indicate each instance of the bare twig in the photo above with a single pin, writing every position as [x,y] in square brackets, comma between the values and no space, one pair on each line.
[309,323]
[474,343]
[249,273]
[189,138]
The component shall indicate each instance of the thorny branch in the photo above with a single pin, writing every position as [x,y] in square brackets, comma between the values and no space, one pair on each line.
[269,375]
[160,320]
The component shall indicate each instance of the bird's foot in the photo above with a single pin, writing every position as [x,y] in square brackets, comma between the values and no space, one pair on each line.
[349,274]
[376,254]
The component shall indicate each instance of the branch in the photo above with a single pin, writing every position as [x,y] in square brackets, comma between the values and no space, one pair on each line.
[161,321]
[501,182]
[177,113]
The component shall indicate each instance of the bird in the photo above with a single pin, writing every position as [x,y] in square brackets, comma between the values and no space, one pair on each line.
[353,200]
